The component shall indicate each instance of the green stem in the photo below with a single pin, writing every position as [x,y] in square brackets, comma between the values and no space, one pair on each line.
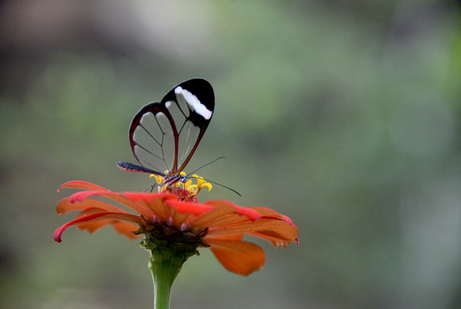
[165,267]
[169,248]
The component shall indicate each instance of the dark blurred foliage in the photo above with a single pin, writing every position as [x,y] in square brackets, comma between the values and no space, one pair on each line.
[343,115]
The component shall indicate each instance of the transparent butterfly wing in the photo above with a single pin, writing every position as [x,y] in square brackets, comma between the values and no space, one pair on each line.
[164,135]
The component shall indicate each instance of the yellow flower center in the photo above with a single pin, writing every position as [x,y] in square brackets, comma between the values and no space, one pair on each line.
[189,189]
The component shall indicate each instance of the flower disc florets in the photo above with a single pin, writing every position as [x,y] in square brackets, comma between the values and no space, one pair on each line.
[186,191]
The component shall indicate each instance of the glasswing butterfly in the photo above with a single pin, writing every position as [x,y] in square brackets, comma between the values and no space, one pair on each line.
[164,135]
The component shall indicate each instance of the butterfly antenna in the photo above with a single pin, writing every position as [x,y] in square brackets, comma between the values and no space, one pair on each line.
[218,184]
[206,165]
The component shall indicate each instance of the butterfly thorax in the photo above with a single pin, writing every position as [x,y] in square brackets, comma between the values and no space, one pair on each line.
[173,179]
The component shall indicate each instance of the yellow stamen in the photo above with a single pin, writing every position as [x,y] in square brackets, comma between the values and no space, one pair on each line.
[189,185]
[159,179]
[207,185]
[201,183]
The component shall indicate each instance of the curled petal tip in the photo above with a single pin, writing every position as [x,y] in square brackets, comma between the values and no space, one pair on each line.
[57,235]
[287,220]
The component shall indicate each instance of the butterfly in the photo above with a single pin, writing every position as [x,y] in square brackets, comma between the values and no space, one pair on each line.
[164,135]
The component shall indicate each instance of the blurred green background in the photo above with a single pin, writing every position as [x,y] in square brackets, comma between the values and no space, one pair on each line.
[343,115]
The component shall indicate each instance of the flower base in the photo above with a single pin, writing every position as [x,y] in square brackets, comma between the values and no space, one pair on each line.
[169,248]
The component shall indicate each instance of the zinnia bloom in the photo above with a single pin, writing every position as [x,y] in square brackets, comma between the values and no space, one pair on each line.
[174,219]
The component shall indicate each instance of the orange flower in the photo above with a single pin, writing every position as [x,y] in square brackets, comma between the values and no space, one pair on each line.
[219,225]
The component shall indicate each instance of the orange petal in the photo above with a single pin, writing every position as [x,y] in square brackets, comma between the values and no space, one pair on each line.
[235,237]
[277,242]
[95,216]
[146,197]
[126,229]
[94,225]
[224,213]
[154,202]
[188,207]
[176,212]
[239,257]
[77,184]
[123,228]
[273,228]
[65,206]
[215,218]
[242,211]
[270,213]
[137,206]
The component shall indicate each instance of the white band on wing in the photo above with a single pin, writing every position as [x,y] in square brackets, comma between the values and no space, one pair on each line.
[194,102]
